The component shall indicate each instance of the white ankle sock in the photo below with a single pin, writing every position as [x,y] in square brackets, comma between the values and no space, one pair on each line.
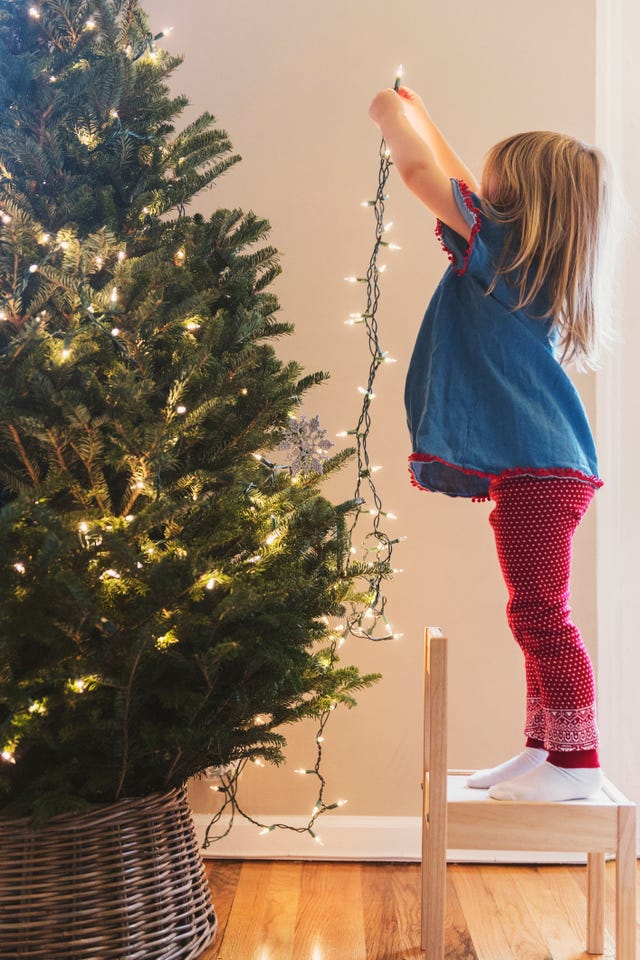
[529,759]
[550,784]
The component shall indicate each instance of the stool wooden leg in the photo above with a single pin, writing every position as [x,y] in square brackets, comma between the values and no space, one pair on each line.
[433,893]
[595,902]
[423,870]
[434,822]
[626,884]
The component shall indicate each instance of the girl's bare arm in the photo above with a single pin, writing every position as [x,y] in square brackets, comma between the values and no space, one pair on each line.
[444,155]
[415,159]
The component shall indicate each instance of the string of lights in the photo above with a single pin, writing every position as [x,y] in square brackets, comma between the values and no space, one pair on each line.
[228,786]
[366,623]
[363,620]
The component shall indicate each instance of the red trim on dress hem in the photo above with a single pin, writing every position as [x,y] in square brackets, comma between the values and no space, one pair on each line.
[559,472]
[468,201]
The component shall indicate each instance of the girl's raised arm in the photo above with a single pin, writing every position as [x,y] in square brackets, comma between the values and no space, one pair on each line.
[445,156]
[418,150]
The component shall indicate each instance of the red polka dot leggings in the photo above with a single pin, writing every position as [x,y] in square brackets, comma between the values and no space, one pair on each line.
[534,520]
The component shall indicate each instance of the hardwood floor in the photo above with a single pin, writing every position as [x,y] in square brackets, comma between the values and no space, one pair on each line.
[294,910]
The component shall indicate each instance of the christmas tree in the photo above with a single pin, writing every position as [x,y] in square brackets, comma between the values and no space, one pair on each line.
[168,586]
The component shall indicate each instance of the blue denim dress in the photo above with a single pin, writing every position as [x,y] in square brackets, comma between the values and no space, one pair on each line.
[485,395]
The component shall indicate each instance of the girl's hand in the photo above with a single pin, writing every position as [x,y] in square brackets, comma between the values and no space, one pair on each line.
[415,110]
[412,100]
[385,106]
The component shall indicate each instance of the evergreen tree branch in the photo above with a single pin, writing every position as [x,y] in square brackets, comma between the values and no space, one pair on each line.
[43,121]
[128,693]
[31,470]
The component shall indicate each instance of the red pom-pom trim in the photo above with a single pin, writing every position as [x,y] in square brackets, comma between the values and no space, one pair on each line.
[560,472]
[471,207]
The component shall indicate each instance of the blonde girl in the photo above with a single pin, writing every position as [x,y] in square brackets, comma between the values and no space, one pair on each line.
[491,411]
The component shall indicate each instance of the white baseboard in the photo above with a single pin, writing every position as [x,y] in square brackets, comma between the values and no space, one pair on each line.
[350,838]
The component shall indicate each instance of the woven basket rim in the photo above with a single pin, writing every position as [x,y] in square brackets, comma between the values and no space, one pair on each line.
[98,813]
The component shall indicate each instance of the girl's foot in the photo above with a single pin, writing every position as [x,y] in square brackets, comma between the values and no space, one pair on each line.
[548,783]
[529,759]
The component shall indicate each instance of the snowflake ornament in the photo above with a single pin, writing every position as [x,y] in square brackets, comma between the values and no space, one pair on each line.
[307,445]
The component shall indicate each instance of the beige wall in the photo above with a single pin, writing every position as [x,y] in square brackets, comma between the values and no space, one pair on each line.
[291,81]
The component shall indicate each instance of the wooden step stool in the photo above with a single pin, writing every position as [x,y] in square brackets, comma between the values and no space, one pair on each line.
[462,818]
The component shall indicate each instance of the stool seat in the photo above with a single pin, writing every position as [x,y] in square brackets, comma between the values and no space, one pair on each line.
[459,817]
[475,821]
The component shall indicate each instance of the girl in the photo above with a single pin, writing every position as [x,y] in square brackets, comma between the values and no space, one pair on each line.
[493,415]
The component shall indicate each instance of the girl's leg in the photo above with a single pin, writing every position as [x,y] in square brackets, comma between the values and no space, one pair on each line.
[534,521]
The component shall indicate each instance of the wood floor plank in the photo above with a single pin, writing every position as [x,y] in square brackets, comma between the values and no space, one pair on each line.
[481,913]
[379,912]
[458,944]
[245,932]
[223,876]
[391,910]
[280,913]
[406,887]
[519,927]
[330,921]
[557,908]
[246,903]
[560,887]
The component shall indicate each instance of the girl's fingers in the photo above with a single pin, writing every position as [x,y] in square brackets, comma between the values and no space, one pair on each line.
[410,97]
[382,103]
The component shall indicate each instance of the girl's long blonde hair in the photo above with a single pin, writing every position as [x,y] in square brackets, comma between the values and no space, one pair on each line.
[553,193]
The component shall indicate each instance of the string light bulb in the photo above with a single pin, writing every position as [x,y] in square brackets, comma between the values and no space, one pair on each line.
[262,719]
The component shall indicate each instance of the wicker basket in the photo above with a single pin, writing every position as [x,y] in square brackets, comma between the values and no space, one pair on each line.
[122,882]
